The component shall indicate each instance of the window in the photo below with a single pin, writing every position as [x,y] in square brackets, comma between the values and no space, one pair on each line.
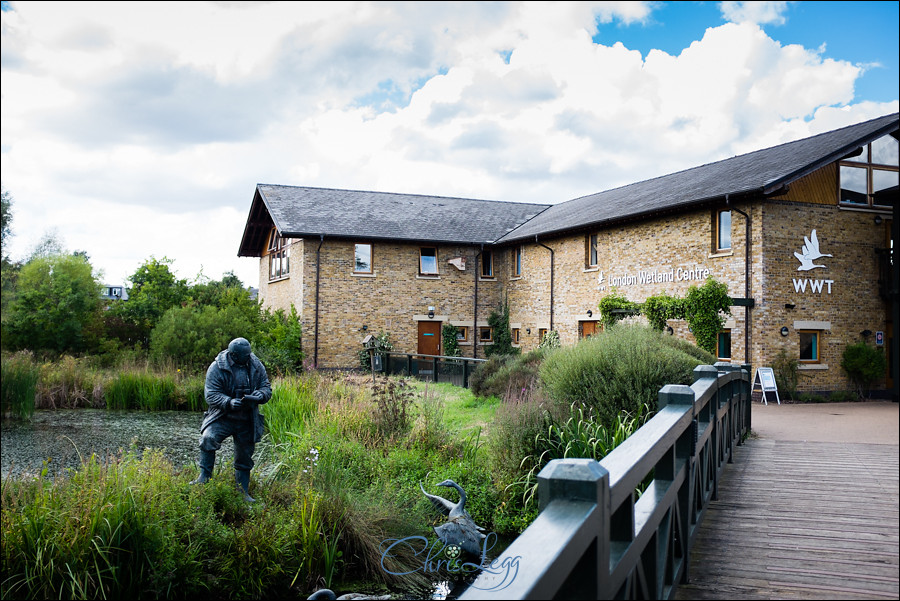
[485,335]
[362,258]
[279,256]
[809,347]
[722,231]
[487,264]
[515,335]
[428,261]
[517,262]
[590,251]
[462,334]
[871,177]
[541,333]
[723,345]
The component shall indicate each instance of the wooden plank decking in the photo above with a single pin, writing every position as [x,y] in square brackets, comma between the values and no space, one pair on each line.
[801,520]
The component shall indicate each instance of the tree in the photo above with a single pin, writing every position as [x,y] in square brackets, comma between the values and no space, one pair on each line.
[155,290]
[8,269]
[57,306]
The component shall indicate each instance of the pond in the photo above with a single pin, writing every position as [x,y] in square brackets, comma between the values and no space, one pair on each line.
[64,436]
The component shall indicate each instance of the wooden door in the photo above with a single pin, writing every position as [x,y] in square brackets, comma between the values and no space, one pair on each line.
[588,328]
[429,338]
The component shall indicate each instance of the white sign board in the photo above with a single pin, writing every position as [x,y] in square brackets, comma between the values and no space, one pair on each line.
[765,379]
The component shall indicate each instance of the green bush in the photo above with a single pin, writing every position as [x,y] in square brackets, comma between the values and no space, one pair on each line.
[621,369]
[864,365]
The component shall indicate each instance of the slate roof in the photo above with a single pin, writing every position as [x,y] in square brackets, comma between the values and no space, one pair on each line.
[300,212]
[754,174]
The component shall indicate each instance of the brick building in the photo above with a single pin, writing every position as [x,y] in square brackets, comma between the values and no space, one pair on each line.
[799,232]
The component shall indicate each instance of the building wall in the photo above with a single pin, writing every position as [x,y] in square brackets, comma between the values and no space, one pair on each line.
[664,254]
[393,299]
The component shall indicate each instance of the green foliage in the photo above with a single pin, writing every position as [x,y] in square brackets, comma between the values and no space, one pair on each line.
[18,382]
[786,368]
[864,365]
[141,389]
[506,375]
[193,336]
[704,307]
[57,307]
[550,340]
[381,343]
[662,307]
[279,341]
[450,342]
[614,307]
[621,369]
[154,291]
[502,345]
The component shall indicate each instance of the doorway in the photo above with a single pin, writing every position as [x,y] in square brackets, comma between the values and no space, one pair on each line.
[588,328]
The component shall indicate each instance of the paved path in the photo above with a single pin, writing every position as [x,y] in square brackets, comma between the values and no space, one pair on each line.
[808,510]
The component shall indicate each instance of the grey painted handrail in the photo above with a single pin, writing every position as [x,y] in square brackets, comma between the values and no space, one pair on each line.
[595,538]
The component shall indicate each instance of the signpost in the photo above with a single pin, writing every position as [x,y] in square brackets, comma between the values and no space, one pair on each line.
[765,378]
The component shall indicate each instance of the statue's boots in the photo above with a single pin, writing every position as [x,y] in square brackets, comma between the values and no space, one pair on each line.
[207,462]
[242,478]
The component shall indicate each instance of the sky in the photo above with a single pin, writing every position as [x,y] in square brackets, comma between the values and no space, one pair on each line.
[133,130]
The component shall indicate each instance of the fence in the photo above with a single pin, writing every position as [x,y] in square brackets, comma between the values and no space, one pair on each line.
[595,537]
[434,368]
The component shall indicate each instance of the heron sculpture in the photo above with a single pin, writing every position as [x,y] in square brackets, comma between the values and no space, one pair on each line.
[460,529]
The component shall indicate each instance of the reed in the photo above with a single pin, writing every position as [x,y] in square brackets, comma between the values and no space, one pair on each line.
[18,385]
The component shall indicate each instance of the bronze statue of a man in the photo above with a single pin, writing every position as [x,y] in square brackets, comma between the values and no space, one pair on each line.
[236,385]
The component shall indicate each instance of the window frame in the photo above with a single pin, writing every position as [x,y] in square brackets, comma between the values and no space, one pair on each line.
[718,229]
[489,339]
[516,336]
[279,253]
[719,344]
[591,251]
[487,265]
[865,163]
[422,272]
[462,334]
[518,261]
[371,270]
[817,347]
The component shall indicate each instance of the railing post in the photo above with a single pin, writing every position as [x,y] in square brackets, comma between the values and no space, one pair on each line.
[582,480]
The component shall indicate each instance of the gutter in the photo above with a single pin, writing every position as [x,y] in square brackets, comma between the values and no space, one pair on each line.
[747,307]
[552,272]
[318,279]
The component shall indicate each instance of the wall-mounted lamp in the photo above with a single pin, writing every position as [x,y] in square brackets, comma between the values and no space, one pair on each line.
[528,330]
[590,313]
[784,331]
[670,331]
[364,328]
[430,313]
[865,333]
[789,305]
[878,220]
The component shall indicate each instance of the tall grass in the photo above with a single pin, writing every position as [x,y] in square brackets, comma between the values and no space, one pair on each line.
[140,390]
[18,383]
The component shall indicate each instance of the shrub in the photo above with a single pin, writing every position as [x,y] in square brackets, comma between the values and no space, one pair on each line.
[502,345]
[864,365]
[787,373]
[622,369]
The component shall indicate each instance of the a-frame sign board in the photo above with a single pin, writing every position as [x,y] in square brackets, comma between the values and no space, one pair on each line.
[765,379]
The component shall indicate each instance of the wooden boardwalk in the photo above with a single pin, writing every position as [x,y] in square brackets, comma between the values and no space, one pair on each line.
[801,520]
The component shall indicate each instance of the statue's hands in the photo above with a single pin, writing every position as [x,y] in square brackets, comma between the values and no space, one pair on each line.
[254,397]
[235,404]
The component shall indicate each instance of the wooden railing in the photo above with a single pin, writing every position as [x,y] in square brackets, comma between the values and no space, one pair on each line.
[434,368]
[595,537]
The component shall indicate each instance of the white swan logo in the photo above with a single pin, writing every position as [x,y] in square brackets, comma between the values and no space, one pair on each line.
[810,252]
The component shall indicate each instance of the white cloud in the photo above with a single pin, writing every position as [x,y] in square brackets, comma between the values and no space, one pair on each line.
[154,121]
[759,13]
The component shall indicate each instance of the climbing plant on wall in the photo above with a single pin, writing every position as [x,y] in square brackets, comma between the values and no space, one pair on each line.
[704,308]
[451,342]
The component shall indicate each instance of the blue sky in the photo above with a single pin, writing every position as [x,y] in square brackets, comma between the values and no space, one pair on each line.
[859,32]
[139,129]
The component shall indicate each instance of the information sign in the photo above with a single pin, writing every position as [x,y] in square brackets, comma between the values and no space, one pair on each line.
[765,379]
